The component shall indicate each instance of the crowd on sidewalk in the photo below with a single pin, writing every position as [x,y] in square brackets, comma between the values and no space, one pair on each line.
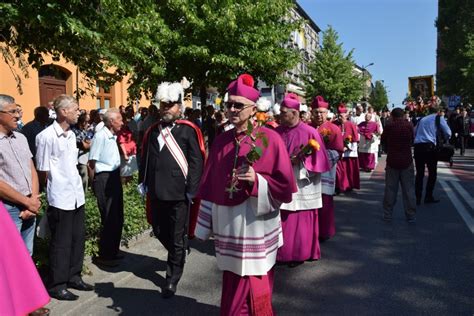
[259,179]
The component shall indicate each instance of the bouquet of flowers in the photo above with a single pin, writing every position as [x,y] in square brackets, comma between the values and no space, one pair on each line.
[306,150]
[325,133]
[347,141]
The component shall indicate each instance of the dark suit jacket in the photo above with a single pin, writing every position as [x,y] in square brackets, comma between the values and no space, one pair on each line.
[160,172]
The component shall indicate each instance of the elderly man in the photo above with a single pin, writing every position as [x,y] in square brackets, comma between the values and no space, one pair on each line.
[347,171]
[240,202]
[19,187]
[359,115]
[104,160]
[173,159]
[300,217]
[56,160]
[331,134]
[368,146]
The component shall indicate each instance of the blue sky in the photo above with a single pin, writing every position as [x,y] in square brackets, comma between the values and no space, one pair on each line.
[398,36]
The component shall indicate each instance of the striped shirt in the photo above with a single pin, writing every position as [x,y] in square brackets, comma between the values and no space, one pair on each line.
[15,162]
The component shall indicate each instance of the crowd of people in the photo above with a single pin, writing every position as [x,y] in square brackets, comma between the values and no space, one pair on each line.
[260,179]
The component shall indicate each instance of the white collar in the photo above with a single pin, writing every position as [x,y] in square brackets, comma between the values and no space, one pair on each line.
[108,132]
[59,130]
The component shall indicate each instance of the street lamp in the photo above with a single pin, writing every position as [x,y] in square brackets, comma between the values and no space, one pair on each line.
[364,69]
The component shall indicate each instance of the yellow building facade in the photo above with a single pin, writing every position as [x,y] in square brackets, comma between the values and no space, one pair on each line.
[54,78]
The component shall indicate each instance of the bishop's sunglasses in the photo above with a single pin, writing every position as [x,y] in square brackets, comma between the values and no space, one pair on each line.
[239,106]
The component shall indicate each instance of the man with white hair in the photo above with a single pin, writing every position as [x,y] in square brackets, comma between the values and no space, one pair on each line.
[332,137]
[173,158]
[18,178]
[56,160]
[104,160]
[300,217]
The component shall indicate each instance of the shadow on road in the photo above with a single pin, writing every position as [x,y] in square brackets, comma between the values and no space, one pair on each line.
[140,304]
[376,268]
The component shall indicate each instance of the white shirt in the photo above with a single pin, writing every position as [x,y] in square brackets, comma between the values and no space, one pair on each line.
[56,153]
[99,126]
[105,152]
[358,119]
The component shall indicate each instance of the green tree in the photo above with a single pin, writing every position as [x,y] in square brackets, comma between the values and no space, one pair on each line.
[219,40]
[208,41]
[97,36]
[455,25]
[378,97]
[331,73]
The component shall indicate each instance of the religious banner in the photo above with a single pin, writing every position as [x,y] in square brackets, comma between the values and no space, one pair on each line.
[421,86]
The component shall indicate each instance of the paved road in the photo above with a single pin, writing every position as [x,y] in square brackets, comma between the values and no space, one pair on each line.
[369,268]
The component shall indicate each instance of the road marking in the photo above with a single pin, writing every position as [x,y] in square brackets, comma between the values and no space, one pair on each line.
[458,205]
[465,195]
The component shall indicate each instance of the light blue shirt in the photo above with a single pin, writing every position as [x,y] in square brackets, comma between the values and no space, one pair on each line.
[426,129]
[104,150]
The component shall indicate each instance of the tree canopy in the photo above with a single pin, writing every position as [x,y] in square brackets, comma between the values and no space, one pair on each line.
[456,50]
[378,97]
[97,36]
[208,41]
[331,73]
[220,39]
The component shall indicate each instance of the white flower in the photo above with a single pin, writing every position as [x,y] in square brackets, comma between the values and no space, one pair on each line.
[263,105]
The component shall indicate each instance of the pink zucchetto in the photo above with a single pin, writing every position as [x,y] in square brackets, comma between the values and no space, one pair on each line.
[291,101]
[341,108]
[244,87]
[318,102]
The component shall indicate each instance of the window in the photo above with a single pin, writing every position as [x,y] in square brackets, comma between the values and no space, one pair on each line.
[103,95]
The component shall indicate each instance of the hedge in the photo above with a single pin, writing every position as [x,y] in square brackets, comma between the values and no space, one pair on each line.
[134,223]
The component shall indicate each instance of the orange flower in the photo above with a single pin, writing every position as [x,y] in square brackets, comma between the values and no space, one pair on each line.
[313,143]
[261,116]
[325,132]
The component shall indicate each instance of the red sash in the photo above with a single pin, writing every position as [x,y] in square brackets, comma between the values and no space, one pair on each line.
[194,212]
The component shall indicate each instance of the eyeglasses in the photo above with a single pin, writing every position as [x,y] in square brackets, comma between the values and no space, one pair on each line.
[11,112]
[237,105]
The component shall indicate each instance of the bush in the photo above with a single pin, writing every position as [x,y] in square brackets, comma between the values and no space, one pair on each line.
[134,223]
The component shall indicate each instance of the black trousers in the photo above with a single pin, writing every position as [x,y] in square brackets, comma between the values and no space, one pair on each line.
[108,190]
[170,222]
[463,139]
[424,154]
[66,249]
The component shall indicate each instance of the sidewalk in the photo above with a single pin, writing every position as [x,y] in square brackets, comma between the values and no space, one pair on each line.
[133,288]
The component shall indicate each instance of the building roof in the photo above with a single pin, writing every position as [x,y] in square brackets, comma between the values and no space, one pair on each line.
[303,13]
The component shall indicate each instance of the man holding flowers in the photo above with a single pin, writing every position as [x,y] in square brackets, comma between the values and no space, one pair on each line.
[300,216]
[347,171]
[333,140]
[246,178]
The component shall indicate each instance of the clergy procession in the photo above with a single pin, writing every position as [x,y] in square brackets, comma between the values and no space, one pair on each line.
[189,157]
[266,191]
